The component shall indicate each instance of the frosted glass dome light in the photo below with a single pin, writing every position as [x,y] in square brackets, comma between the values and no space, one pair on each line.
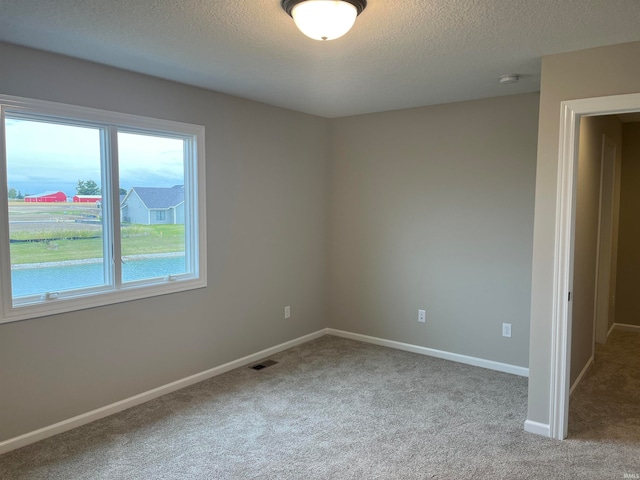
[324,19]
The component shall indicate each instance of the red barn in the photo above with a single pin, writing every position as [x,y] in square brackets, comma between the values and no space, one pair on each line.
[47,197]
[87,198]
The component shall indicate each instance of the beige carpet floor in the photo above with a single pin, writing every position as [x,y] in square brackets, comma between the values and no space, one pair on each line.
[340,409]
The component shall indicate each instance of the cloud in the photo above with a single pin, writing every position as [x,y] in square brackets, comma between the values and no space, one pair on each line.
[45,156]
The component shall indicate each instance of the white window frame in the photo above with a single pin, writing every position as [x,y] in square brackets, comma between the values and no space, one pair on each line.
[114,291]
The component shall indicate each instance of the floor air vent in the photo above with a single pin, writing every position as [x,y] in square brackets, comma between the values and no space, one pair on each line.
[265,364]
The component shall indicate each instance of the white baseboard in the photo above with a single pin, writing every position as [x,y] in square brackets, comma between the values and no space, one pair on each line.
[83,419]
[582,374]
[455,357]
[611,330]
[623,327]
[538,428]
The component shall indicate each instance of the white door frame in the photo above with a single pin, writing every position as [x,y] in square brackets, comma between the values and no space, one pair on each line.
[571,112]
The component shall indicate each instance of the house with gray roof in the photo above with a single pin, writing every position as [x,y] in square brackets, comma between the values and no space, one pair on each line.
[153,205]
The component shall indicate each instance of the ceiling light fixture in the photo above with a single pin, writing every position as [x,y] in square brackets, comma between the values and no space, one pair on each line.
[324,19]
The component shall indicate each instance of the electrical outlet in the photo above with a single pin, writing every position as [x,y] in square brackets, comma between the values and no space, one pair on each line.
[287,312]
[506,330]
[422,316]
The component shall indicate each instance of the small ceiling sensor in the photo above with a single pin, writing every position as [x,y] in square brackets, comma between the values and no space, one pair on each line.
[510,78]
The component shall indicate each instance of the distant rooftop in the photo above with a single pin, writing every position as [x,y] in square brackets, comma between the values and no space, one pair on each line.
[161,197]
[50,192]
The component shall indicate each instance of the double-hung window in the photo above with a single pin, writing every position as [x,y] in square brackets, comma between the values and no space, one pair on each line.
[96,207]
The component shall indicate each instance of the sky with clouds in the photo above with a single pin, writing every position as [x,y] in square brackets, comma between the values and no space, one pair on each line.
[52,157]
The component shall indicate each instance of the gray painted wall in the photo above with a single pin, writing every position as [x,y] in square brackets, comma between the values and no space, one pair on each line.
[588,73]
[432,208]
[628,279]
[586,234]
[266,212]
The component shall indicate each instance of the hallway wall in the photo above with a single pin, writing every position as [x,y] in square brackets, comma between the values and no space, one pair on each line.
[627,310]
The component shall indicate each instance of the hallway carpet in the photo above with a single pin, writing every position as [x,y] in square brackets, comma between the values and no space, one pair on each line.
[606,404]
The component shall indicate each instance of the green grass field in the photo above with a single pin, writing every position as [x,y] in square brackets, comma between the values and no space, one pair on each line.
[136,240]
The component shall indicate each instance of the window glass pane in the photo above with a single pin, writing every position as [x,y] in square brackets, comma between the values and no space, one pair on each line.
[152,206]
[63,163]
[55,234]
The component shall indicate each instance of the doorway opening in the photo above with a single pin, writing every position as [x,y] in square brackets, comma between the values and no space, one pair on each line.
[572,112]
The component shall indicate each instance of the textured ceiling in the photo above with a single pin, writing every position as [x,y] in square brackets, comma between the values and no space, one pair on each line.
[400,53]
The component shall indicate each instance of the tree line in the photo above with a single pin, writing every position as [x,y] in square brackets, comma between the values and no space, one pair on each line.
[13,194]
[90,187]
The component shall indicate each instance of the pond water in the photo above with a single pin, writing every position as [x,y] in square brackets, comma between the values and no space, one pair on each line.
[67,276]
